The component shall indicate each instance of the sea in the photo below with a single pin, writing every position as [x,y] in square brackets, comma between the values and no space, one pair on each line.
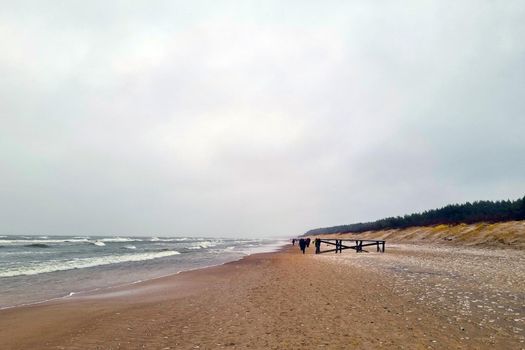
[35,269]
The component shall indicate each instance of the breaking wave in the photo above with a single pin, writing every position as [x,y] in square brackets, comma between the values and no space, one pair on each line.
[81,263]
[119,239]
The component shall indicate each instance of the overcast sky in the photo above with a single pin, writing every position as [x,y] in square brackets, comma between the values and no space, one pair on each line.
[254,118]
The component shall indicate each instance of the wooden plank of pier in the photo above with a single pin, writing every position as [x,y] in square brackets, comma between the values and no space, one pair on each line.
[358,245]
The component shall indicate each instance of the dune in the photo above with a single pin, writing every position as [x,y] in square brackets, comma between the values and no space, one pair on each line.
[502,235]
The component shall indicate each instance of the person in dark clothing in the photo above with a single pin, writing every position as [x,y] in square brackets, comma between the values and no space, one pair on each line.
[302,244]
[293,241]
[308,243]
[317,244]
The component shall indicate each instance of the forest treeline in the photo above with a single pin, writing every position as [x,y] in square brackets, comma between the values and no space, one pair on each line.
[468,213]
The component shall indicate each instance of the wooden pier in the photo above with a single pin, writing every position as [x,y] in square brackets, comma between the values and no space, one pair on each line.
[356,244]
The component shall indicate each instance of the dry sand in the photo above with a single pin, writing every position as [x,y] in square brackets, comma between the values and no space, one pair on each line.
[411,297]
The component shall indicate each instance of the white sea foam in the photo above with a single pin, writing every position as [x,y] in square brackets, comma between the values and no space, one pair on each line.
[130,246]
[203,245]
[242,241]
[178,239]
[119,239]
[208,244]
[61,265]
[99,243]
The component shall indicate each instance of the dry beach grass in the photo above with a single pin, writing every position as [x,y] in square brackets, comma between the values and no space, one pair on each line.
[499,235]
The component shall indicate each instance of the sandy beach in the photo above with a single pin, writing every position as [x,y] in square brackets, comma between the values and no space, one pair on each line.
[411,297]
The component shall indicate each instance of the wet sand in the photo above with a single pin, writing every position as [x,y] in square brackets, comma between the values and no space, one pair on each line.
[411,297]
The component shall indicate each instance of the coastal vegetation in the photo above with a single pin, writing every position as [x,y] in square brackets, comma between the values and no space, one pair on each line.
[453,214]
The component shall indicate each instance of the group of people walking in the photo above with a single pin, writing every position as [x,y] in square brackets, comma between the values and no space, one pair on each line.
[305,243]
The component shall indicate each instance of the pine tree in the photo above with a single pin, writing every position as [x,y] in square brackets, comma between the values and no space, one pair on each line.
[522,216]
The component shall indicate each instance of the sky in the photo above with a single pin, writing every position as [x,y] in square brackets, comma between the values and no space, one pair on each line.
[254,118]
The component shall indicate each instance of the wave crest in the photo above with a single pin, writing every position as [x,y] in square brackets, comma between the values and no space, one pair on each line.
[60,265]
[37,245]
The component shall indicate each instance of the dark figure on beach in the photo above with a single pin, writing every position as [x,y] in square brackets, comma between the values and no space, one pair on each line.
[293,241]
[302,244]
[317,244]
[308,243]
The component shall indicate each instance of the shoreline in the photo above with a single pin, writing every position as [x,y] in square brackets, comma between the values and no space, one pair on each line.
[28,326]
[404,298]
[275,248]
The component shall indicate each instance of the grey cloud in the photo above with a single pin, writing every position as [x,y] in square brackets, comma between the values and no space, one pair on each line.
[220,118]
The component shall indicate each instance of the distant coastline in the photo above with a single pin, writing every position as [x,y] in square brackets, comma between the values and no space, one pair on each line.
[452,214]
[505,235]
